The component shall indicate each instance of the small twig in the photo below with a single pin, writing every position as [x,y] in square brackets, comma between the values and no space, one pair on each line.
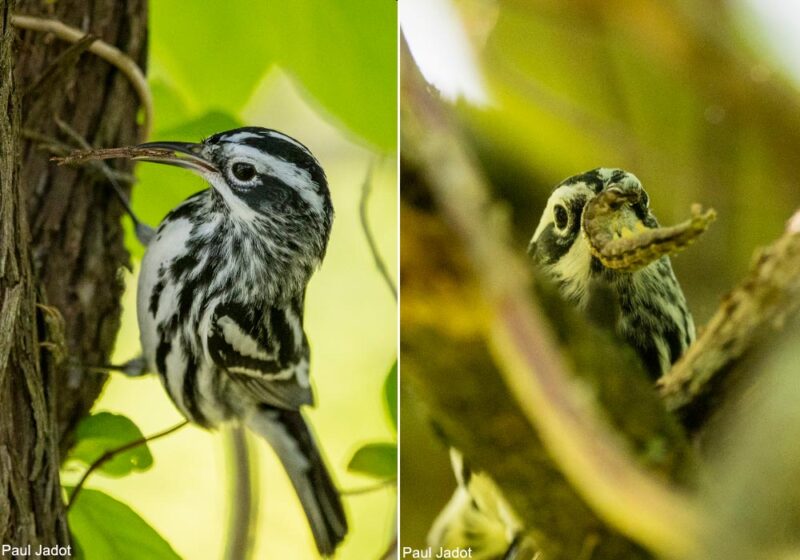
[373,247]
[370,488]
[766,296]
[58,148]
[106,170]
[109,53]
[111,453]
[79,157]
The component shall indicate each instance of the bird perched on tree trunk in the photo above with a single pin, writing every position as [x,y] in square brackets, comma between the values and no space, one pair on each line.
[221,297]
[596,240]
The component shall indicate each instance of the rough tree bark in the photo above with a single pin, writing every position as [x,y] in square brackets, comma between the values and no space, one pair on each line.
[61,246]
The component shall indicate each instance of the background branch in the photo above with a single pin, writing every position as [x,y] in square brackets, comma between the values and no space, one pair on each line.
[758,305]
[107,52]
[383,270]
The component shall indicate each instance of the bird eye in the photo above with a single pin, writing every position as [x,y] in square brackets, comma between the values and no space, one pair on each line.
[243,171]
[561,216]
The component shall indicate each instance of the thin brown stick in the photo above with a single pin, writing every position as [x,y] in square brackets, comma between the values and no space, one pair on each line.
[59,148]
[111,453]
[79,157]
[366,188]
[106,170]
[109,53]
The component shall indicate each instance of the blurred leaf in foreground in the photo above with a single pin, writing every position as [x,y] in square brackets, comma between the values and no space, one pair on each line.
[103,527]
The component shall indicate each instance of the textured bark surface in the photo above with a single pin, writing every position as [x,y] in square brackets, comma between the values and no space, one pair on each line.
[61,245]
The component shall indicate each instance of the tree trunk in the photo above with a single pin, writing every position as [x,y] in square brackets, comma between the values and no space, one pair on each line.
[61,246]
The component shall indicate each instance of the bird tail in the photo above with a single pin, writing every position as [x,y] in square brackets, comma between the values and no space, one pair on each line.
[289,435]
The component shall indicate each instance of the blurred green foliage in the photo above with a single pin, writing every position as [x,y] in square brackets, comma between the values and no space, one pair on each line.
[343,54]
[680,93]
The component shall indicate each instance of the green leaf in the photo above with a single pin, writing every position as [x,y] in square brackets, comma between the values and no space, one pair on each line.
[378,460]
[344,54]
[214,53]
[170,108]
[104,527]
[390,394]
[104,431]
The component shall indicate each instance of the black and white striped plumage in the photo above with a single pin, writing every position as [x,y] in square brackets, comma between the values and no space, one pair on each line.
[652,313]
[221,296]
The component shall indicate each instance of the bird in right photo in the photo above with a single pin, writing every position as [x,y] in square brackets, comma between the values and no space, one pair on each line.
[600,280]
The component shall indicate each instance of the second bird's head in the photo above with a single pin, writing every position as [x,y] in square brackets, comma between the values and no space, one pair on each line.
[259,174]
[559,243]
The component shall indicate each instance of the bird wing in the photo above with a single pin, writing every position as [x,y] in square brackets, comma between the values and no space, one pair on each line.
[265,353]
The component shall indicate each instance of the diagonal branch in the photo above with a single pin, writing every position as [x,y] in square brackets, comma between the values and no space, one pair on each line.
[111,453]
[109,53]
[761,302]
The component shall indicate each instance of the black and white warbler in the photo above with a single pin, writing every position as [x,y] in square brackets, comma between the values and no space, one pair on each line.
[652,316]
[221,296]
[652,313]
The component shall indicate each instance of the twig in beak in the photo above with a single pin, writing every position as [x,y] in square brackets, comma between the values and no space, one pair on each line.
[81,156]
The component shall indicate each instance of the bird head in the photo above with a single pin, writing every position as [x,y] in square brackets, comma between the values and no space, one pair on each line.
[256,172]
[560,243]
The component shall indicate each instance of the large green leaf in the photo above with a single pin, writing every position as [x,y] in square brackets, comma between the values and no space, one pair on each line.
[213,52]
[378,460]
[169,106]
[344,54]
[104,431]
[103,527]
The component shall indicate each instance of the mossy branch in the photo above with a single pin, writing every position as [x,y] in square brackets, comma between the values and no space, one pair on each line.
[767,296]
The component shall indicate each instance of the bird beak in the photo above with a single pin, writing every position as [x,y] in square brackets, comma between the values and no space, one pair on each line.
[183,154]
[619,238]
